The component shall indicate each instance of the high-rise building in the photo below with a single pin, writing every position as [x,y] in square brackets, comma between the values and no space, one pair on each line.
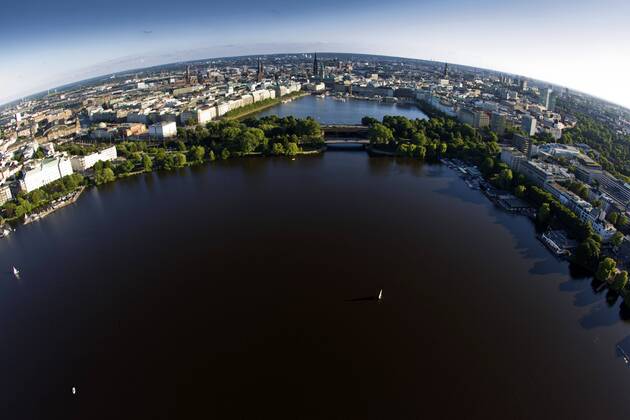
[477,119]
[481,119]
[528,125]
[497,123]
[315,65]
[545,96]
[522,143]
[445,74]
[523,85]
[552,102]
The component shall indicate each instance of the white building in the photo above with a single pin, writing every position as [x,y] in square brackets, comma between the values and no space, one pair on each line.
[200,115]
[28,151]
[45,172]
[235,104]
[81,163]
[163,130]
[222,108]
[5,194]
[247,99]
[528,125]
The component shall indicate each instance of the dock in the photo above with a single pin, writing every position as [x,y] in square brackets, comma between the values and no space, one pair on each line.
[61,203]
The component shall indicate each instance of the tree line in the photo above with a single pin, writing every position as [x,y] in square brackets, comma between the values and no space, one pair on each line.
[431,139]
[25,203]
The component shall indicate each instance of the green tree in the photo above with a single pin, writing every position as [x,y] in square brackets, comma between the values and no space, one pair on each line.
[543,216]
[617,239]
[380,134]
[368,121]
[587,253]
[147,163]
[197,153]
[419,138]
[9,209]
[487,166]
[225,154]
[421,152]
[37,197]
[605,269]
[211,156]
[125,167]
[104,175]
[519,191]
[505,178]
[250,139]
[292,149]
[277,149]
[620,281]
[613,217]
[179,160]
[24,206]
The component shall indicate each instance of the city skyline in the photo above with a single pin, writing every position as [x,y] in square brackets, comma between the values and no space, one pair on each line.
[580,45]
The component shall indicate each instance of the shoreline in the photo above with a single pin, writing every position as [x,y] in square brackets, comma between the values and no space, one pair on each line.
[276,101]
[74,196]
[563,253]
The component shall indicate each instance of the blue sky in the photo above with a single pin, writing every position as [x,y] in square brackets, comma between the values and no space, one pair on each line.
[584,45]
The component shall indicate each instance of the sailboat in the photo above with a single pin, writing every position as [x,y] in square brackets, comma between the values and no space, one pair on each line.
[16,272]
[380,296]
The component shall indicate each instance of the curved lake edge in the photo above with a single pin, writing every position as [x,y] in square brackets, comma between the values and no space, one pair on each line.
[135,196]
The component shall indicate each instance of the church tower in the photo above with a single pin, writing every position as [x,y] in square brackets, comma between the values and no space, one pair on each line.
[261,71]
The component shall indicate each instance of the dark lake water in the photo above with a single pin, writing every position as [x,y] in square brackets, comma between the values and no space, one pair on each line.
[333,111]
[226,291]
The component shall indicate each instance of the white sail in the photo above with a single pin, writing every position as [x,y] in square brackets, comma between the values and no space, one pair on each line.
[15,271]
[380,295]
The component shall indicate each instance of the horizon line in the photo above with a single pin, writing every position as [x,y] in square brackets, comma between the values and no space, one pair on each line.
[39,92]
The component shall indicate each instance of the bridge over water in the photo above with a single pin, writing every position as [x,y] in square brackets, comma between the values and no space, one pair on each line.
[345,134]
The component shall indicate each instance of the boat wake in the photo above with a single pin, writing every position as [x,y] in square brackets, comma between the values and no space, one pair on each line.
[378,298]
[363,299]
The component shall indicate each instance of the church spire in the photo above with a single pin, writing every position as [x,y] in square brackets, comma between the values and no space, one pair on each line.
[261,71]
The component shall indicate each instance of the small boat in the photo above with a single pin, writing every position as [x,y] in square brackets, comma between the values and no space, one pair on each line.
[74,390]
[16,272]
[380,296]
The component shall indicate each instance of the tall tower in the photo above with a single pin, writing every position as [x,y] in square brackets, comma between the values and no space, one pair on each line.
[261,71]
[315,66]
[445,75]
[545,96]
